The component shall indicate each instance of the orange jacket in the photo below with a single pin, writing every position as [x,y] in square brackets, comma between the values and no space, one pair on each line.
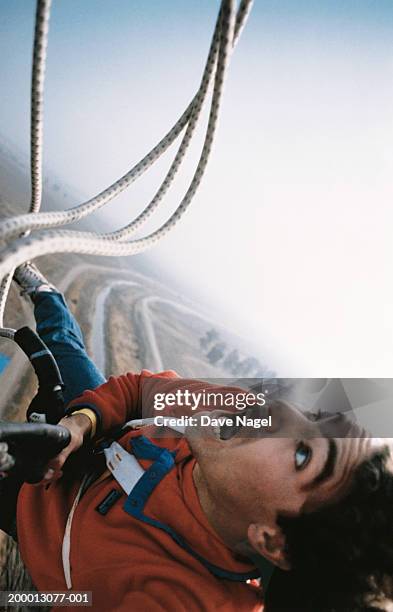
[127,563]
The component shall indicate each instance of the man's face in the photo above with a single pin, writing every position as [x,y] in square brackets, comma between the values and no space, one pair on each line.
[297,466]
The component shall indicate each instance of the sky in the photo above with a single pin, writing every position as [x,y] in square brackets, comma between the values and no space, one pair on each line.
[290,234]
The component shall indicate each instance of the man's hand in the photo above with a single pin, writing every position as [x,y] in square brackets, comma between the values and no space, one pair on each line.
[79,425]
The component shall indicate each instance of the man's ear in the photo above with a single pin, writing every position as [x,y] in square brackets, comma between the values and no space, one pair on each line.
[269,542]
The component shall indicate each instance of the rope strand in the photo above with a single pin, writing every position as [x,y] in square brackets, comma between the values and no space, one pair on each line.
[12,227]
[65,241]
[37,101]
[47,241]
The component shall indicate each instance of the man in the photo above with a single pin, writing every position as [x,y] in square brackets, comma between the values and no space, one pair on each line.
[181,536]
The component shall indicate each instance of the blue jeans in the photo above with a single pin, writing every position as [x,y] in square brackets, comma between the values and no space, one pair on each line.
[61,333]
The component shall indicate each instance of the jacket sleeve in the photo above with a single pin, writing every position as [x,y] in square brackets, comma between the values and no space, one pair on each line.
[144,395]
[122,398]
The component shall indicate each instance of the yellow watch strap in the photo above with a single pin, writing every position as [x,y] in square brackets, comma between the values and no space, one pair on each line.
[90,415]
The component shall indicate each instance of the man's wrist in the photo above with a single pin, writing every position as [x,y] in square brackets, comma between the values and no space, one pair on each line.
[86,420]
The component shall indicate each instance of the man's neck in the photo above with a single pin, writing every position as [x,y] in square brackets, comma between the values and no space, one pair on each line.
[224,523]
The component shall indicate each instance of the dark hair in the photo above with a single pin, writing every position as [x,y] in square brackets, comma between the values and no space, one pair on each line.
[342,554]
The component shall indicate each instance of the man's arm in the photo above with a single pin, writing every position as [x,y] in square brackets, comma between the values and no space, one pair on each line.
[136,396]
[120,399]
[98,411]
[80,428]
[124,398]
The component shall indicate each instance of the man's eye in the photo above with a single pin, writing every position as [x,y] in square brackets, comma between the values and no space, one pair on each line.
[302,455]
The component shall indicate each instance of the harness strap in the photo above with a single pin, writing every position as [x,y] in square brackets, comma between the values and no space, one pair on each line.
[125,467]
[66,546]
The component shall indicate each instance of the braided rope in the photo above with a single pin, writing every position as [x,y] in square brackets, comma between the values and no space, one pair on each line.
[131,228]
[52,241]
[243,12]
[12,227]
[37,100]
[199,100]
[36,123]
[228,28]
[5,285]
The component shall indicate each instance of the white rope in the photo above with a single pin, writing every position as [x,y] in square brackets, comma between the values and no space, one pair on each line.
[198,102]
[131,228]
[243,12]
[14,226]
[36,124]
[62,241]
[5,285]
[37,100]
